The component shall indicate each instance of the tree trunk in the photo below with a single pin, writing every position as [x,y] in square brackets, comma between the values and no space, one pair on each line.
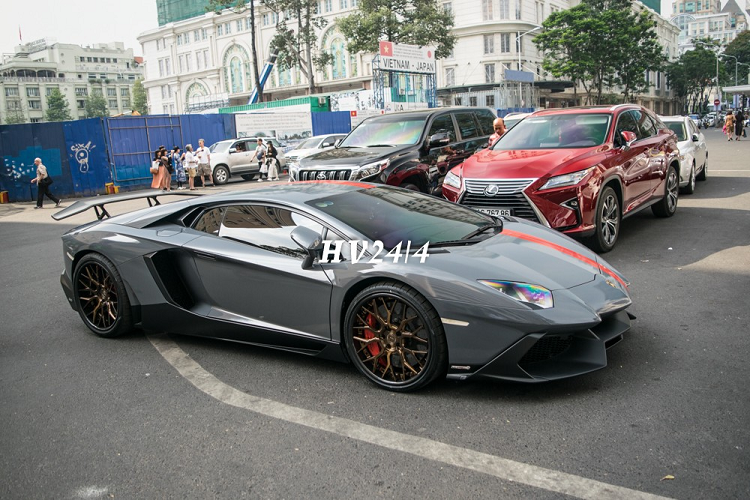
[255,51]
[308,48]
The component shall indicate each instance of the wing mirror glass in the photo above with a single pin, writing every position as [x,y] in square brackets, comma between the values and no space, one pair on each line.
[232,150]
[696,138]
[310,241]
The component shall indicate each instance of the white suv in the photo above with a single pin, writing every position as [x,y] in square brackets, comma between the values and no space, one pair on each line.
[235,157]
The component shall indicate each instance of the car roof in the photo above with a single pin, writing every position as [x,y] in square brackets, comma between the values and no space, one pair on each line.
[429,112]
[585,109]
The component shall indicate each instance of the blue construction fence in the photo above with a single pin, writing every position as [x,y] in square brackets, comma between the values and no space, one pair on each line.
[82,156]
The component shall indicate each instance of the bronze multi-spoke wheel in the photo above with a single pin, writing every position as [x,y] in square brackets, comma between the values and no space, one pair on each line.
[395,337]
[100,296]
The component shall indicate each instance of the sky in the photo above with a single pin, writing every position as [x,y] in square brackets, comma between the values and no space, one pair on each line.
[82,22]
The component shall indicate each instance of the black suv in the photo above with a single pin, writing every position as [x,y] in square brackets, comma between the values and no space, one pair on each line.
[412,149]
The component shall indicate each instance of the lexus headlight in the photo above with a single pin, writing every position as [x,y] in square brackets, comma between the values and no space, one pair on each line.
[566,179]
[370,169]
[522,292]
[452,180]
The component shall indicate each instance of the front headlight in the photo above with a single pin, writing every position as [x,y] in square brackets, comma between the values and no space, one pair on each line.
[522,292]
[566,179]
[452,180]
[370,169]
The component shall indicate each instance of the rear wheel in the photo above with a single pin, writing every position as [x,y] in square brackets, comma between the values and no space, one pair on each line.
[100,296]
[221,175]
[608,220]
[248,177]
[690,188]
[667,206]
[395,337]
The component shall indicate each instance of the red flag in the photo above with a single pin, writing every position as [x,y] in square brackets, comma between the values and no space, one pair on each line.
[386,49]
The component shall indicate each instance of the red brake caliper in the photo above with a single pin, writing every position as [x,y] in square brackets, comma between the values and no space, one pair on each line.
[373,347]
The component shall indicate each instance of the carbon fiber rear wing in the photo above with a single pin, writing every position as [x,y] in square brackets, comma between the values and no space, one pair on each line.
[98,202]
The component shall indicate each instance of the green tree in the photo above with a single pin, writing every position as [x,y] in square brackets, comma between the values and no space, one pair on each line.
[57,107]
[239,6]
[601,44]
[415,22]
[297,49]
[693,74]
[140,97]
[739,48]
[96,105]
[15,116]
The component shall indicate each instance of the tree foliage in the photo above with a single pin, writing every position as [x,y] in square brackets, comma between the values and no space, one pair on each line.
[297,48]
[140,97]
[693,74]
[57,107]
[96,105]
[739,48]
[601,44]
[415,22]
[15,116]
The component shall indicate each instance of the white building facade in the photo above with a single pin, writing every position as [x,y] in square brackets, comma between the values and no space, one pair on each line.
[30,74]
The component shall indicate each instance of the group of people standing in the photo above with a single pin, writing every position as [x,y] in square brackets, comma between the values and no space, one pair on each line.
[185,165]
[733,124]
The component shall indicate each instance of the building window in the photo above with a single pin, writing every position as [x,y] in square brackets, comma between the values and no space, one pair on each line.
[447,7]
[96,59]
[489,44]
[505,42]
[113,103]
[124,92]
[198,57]
[487,13]
[228,28]
[489,101]
[504,12]
[81,103]
[35,120]
[111,92]
[328,5]
[35,104]
[179,39]
[247,23]
[161,67]
[457,101]
[11,91]
[472,101]
[266,19]
[206,59]
[239,24]
[167,66]
[92,76]
[163,91]
[204,33]
[450,77]
[343,4]
[32,91]
[220,30]
[518,10]
[539,12]
[196,35]
[181,63]
[82,91]
[13,105]
[489,73]
[126,103]
[658,79]
[188,56]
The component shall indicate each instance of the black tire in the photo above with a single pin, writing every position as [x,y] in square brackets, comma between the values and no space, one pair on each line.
[410,187]
[101,298]
[221,175]
[394,353]
[248,177]
[608,220]
[690,188]
[704,171]
[667,206]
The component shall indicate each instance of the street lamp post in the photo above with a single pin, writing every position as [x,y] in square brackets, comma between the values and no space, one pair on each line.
[735,66]
[520,67]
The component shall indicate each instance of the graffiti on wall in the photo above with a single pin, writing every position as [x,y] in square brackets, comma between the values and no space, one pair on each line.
[82,155]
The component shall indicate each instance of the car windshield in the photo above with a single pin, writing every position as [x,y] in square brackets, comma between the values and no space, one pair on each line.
[309,143]
[219,147]
[384,131]
[679,129]
[556,132]
[396,216]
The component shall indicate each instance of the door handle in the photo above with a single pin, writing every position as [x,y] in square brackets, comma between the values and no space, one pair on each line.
[204,256]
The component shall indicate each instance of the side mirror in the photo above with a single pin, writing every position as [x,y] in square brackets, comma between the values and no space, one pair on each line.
[439,139]
[326,144]
[696,138]
[628,137]
[310,241]
[232,150]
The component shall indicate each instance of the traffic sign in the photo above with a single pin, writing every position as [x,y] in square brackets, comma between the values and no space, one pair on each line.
[716,102]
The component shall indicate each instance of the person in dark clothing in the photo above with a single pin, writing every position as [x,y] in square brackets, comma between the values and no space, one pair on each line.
[739,122]
[43,180]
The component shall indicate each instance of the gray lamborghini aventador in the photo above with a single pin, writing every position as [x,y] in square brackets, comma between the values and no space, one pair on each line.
[406,286]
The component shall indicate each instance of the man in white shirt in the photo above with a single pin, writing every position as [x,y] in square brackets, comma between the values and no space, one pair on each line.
[204,162]
[43,180]
[260,154]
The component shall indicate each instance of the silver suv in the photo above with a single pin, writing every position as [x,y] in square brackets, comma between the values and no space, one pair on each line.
[235,157]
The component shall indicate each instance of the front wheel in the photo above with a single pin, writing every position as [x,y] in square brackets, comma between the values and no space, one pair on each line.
[100,296]
[221,175]
[608,220]
[690,188]
[395,337]
[703,174]
[667,206]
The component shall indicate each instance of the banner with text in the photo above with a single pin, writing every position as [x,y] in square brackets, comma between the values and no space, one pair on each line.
[406,58]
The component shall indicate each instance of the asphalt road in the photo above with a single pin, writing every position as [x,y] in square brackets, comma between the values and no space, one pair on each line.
[174,417]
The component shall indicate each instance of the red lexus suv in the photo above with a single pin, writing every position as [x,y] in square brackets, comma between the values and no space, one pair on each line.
[577,170]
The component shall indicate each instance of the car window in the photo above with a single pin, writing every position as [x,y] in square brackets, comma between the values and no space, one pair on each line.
[219,147]
[443,123]
[485,117]
[467,126]
[240,146]
[386,131]
[645,124]
[627,123]
[556,131]
[329,141]
[210,221]
[679,129]
[266,227]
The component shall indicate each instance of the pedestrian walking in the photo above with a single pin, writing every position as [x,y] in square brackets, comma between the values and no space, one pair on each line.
[260,155]
[43,182]
[273,162]
[204,163]
[739,122]
[191,164]
[178,167]
[165,165]
[729,125]
[156,171]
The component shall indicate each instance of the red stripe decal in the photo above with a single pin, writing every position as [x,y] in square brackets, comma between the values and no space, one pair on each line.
[345,183]
[566,251]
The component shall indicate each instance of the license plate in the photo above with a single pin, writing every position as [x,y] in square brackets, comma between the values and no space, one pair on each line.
[497,212]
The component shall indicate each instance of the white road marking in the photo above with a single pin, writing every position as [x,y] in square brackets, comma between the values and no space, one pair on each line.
[508,470]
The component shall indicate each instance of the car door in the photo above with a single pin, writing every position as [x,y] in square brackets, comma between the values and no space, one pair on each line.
[239,156]
[700,146]
[252,274]
[656,150]
[440,159]
[633,162]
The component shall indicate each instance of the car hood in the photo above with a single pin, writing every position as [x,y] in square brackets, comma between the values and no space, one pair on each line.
[528,253]
[524,164]
[343,157]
